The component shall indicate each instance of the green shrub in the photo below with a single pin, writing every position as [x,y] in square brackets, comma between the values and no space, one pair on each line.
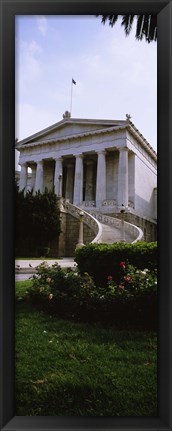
[100,260]
[67,294]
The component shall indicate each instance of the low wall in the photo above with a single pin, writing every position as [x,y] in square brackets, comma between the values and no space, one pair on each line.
[70,235]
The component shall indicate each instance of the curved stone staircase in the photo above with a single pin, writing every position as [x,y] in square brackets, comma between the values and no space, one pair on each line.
[107,229]
[111,229]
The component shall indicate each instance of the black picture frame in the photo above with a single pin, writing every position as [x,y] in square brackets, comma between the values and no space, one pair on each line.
[8,10]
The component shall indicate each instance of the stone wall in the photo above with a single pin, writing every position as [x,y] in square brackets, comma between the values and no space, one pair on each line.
[70,234]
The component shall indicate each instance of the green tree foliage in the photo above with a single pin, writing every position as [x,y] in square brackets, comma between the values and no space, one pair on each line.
[37,221]
[146,25]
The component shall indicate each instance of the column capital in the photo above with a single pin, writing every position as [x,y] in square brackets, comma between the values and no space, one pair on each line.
[123,148]
[101,152]
[58,159]
[79,155]
[39,162]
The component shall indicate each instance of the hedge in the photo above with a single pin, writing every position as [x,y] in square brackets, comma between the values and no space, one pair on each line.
[101,260]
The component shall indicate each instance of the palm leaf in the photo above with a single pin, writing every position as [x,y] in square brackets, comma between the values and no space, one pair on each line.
[146,25]
[127,22]
[111,18]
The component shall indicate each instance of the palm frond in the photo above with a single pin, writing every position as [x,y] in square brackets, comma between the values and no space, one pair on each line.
[111,18]
[153,28]
[146,25]
[127,22]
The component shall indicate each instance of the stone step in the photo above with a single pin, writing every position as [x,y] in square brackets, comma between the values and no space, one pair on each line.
[111,235]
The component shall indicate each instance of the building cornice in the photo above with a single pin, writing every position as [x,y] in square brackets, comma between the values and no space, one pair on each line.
[71,121]
[135,132]
[126,126]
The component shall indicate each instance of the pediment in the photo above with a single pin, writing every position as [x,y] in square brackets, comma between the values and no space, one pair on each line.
[70,127]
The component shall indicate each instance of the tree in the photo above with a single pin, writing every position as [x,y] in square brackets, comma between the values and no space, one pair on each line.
[146,26]
[37,222]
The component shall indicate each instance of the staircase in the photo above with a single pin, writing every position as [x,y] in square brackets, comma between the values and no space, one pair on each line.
[111,235]
[111,229]
[107,229]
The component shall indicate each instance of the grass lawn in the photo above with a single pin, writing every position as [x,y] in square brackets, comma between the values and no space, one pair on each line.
[77,369]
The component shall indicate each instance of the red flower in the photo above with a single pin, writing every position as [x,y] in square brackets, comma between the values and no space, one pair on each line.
[122,264]
[109,277]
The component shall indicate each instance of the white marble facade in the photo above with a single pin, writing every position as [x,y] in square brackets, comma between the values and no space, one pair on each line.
[93,163]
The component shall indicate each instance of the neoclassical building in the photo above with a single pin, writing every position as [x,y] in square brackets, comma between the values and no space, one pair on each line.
[95,164]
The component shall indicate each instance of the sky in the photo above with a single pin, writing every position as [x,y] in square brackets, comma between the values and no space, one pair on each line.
[115,75]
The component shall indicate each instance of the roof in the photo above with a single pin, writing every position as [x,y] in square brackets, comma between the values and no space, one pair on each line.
[89,127]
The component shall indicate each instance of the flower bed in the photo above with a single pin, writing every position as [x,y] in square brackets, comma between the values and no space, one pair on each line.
[130,299]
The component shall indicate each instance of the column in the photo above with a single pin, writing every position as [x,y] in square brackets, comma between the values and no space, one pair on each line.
[78,182]
[123,177]
[58,176]
[33,177]
[69,182]
[131,180]
[89,181]
[101,178]
[23,176]
[39,180]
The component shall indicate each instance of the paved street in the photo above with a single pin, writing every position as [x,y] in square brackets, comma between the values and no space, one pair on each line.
[29,263]
[22,277]
[26,268]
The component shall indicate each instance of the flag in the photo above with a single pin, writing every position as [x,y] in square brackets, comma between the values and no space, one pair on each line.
[73,82]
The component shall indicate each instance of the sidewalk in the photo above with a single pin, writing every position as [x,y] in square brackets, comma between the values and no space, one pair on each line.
[29,266]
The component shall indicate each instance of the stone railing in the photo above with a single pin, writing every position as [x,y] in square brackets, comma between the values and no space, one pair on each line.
[131,229]
[109,203]
[88,204]
[88,219]
[134,231]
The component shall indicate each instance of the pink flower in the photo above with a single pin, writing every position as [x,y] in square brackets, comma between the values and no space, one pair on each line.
[127,278]
[109,277]
[122,264]
[121,286]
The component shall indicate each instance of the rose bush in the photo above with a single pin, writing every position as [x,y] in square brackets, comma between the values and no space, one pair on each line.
[129,299]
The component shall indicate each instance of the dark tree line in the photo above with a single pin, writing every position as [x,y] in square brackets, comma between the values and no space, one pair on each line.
[37,222]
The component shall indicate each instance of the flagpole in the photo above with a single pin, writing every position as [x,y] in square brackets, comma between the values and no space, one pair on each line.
[73,82]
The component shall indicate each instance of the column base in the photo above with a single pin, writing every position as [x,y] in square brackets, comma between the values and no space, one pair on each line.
[80,245]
